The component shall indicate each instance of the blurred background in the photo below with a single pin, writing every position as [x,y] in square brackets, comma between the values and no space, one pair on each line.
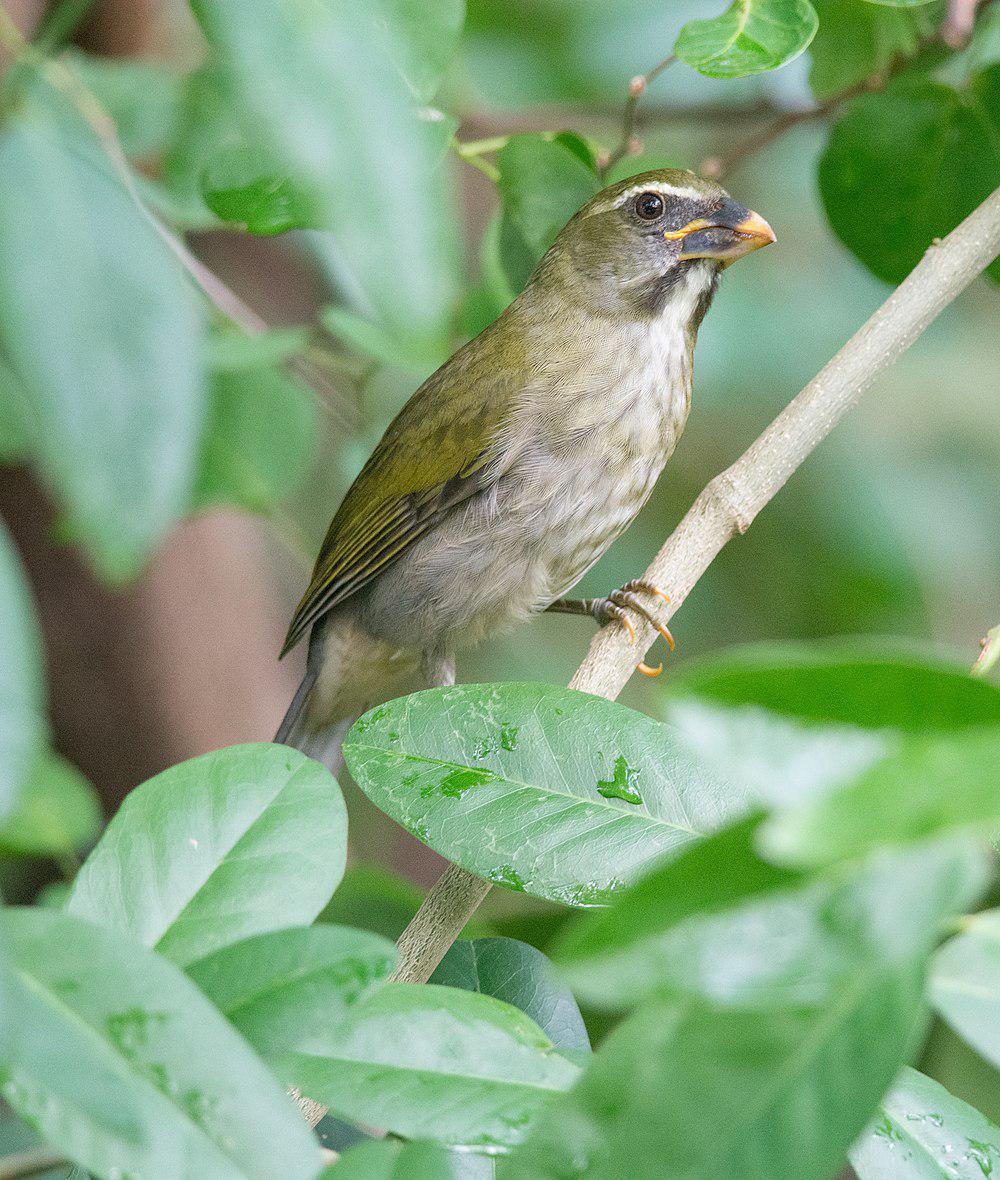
[890,529]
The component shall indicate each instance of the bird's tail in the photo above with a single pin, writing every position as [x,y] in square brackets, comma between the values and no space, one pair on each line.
[347,673]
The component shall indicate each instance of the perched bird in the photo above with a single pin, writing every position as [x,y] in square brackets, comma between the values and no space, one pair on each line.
[511,469]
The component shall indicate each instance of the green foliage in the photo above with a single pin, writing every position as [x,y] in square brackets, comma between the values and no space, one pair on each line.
[23,731]
[237,842]
[570,821]
[923,1131]
[519,975]
[437,1062]
[243,185]
[902,168]
[965,983]
[392,1160]
[108,362]
[121,1063]
[750,37]
[56,815]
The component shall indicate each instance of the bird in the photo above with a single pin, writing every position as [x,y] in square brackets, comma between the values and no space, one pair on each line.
[519,461]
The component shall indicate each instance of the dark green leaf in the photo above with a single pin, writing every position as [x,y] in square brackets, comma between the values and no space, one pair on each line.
[258,441]
[294,70]
[857,40]
[542,183]
[905,166]
[277,988]
[236,842]
[965,983]
[102,330]
[56,814]
[922,1132]
[519,975]
[615,956]
[23,731]
[433,1062]
[123,1064]
[243,184]
[787,1021]
[751,36]
[561,794]
[928,786]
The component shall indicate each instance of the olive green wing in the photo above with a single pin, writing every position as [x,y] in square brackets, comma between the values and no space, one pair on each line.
[440,450]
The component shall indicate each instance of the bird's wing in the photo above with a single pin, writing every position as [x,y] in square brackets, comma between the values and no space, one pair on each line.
[438,451]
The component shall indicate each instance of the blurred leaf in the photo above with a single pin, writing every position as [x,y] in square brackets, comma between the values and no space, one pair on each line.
[617,955]
[277,987]
[17,1137]
[965,983]
[259,440]
[928,786]
[556,793]
[208,124]
[372,340]
[389,1159]
[432,1062]
[370,898]
[23,730]
[237,842]
[921,1131]
[426,37]
[234,351]
[750,37]
[242,184]
[787,1022]
[904,167]
[142,98]
[123,1064]
[57,813]
[543,182]
[857,39]
[521,976]
[294,69]
[102,330]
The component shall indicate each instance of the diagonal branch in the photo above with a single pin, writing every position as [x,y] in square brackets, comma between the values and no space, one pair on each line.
[729,505]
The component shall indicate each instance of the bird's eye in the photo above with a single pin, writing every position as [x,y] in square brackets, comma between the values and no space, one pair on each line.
[648,206]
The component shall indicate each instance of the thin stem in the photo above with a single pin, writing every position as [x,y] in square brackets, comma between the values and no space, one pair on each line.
[636,88]
[958,23]
[989,653]
[31,1163]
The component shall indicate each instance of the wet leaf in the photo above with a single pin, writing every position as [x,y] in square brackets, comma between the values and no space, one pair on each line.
[750,37]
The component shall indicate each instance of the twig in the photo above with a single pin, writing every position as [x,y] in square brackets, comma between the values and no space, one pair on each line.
[31,1163]
[989,653]
[728,506]
[958,23]
[636,88]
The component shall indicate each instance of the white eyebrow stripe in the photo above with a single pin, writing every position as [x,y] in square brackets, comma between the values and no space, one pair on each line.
[658,186]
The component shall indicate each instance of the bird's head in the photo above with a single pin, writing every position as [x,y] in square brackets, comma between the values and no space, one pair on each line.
[639,240]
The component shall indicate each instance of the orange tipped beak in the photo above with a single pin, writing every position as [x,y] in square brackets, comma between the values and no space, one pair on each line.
[727,235]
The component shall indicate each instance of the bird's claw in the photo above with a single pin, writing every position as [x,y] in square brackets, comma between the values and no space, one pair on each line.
[619,602]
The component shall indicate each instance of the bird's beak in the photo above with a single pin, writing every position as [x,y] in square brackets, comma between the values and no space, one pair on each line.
[726,235]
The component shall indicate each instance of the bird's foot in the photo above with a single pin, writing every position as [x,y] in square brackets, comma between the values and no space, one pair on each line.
[626,598]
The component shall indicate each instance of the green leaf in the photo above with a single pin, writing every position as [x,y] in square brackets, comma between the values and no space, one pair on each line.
[122,1064]
[277,987]
[751,36]
[103,338]
[857,39]
[234,351]
[521,976]
[259,439]
[542,183]
[58,812]
[558,793]
[317,84]
[432,1062]
[371,898]
[614,956]
[965,983]
[23,730]
[236,842]
[906,166]
[244,185]
[922,1132]
[426,37]
[927,787]
[388,1159]
[787,1020]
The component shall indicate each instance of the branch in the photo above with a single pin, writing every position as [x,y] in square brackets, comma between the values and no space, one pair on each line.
[728,506]
[957,27]
[31,1163]
[636,88]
